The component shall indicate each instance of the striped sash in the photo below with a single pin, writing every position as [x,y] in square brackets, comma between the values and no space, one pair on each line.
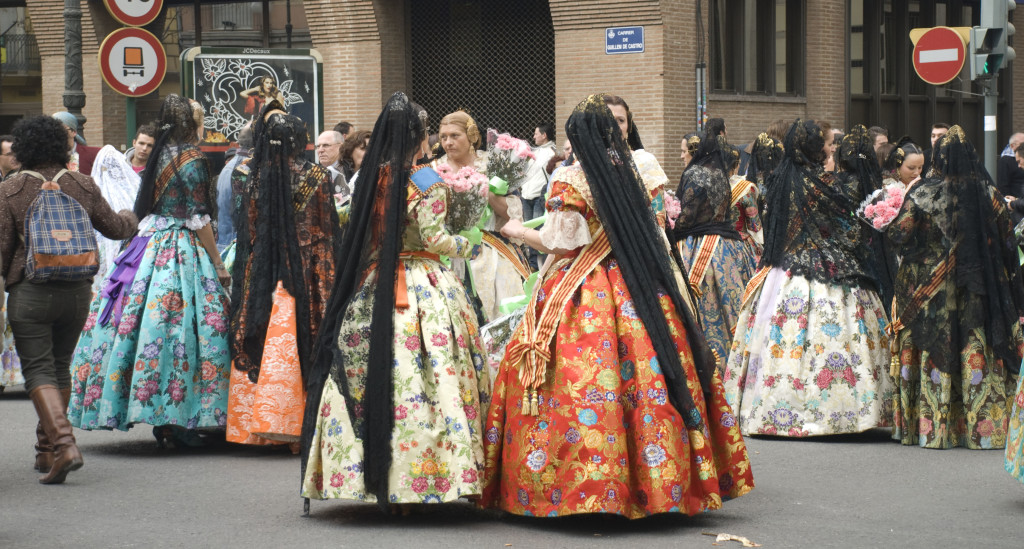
[508,253]
[531,351]
[702,260]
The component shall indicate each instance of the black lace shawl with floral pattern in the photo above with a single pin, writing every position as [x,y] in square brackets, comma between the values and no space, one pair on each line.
[811,228]
[956,217]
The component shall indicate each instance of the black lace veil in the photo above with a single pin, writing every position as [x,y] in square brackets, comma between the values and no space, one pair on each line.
[978,236]
[274,251]
[623,206]
[810,229]
[176,127]
[374,229]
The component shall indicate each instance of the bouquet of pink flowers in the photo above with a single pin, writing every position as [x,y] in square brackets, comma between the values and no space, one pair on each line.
[672,207]
[507,161]
[468,198]
[882,206]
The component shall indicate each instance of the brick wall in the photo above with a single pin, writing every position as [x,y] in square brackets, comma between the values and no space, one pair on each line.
[347,35]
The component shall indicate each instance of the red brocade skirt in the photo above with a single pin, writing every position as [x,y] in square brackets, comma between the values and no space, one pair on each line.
[607,439]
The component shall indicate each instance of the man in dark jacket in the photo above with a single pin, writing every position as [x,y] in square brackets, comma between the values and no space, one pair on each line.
[1009,176]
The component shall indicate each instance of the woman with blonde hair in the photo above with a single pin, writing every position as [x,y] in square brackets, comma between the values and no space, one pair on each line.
[499,267]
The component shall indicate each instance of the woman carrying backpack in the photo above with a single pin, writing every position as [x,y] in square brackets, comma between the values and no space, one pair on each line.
[155,346]
[47,317]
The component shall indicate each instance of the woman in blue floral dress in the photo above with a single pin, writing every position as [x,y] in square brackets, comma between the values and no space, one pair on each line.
[154,348]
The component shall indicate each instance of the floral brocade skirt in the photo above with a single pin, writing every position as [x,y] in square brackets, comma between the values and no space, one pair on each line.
[10,364]
[441,388]
[936,410]
[809,359]
[606,438]
[721,290]
[270,410]
[166,361]
[1015,438]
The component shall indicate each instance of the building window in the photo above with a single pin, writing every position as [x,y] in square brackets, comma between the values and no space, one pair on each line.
[757,46]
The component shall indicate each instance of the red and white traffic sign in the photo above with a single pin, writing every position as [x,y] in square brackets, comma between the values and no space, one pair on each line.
[939,55]
[132,61]
[134,13]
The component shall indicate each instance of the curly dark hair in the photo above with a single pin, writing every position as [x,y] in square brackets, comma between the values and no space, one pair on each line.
[40,142]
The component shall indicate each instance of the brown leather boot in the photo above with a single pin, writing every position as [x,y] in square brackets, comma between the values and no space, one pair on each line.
[44,449]
[51,409]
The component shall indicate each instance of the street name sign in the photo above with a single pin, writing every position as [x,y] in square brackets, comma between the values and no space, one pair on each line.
[623,40]
[939,55]
[132,61]
[134,13]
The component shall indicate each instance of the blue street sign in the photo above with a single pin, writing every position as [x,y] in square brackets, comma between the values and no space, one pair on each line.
[624,40]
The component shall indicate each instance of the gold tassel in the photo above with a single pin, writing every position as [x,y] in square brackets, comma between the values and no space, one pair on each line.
[534,405]
[526,403]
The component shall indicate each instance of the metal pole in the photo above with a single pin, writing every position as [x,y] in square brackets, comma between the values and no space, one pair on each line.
[288,26]
[197,22]
[266,23]
[129,107]
[991,145]
[74,97]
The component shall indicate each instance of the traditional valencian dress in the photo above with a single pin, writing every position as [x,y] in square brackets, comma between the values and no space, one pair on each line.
[440,381]
[810,355]
[267,397]
[719,263]
[600,434]
[1015,437]
[10,364]
[154,348]
[500,266]
[955,385]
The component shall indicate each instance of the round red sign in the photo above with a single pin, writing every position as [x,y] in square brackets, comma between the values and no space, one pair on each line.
[134,13]
[939,55]
[132,61]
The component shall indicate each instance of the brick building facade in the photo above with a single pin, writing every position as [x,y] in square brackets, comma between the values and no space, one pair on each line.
[366,47]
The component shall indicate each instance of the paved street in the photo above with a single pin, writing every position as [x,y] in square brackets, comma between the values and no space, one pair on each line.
[858,491]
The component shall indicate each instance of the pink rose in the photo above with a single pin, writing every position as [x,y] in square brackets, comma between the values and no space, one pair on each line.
[470,412]
[469,475]
[442,485]
[439,340]
[419,485]
[437,207]
[401,412]
[337,480]
[412,343]
[325,410]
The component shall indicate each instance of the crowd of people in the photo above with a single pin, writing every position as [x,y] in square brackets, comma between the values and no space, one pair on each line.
[602,341]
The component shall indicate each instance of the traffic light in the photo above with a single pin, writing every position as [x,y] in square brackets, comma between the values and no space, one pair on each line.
[989,50]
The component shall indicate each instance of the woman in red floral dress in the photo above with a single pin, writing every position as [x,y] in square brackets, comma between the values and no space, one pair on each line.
[607,399]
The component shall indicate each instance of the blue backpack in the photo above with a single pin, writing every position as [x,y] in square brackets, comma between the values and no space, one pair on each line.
[60,242]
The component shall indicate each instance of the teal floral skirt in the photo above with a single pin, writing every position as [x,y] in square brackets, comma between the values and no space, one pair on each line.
[164,359]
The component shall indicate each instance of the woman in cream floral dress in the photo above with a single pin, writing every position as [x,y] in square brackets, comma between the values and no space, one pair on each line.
[399,384]
[499,266]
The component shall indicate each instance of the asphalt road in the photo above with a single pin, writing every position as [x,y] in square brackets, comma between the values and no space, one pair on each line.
[852,491]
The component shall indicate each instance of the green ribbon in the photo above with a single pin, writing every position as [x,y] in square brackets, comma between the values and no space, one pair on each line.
[511,304]
[535,222]
[499,186]
[474,235]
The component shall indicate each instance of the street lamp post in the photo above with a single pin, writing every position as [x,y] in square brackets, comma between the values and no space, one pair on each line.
[74,97]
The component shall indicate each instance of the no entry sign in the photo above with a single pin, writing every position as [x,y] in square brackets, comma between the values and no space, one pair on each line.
[134,13]
[132,62]
[939,55]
